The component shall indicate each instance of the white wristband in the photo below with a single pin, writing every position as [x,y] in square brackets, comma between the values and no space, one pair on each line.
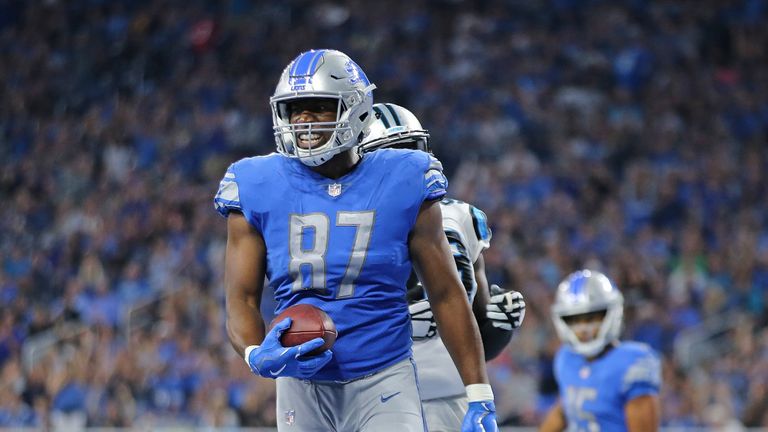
[247,355]
[479,392]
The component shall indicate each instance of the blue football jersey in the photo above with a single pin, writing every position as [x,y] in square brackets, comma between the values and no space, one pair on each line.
[593,394]
[340,244]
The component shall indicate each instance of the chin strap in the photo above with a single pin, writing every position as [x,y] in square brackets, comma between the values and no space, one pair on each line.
[370,88]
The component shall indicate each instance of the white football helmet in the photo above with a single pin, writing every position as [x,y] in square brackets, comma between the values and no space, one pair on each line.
[395,126]
[583,292]
[322,74]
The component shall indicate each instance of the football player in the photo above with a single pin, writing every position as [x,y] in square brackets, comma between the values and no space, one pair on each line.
[341,232]
[605,385]
[468,234]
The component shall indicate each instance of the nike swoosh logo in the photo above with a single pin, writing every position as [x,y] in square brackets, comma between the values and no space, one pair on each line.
[384,399]
[277,372]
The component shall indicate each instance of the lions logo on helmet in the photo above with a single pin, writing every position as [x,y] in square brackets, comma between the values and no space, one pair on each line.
[395,126]
[322,74]
[584,292]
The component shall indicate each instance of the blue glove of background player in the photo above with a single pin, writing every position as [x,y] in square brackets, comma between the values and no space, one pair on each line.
[480,417]
[272,360]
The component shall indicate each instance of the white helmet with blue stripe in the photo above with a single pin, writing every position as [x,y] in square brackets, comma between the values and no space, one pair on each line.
[583,292]
[322,74]
[395,126]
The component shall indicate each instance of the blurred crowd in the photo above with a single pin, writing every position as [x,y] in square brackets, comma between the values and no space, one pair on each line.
[629,136]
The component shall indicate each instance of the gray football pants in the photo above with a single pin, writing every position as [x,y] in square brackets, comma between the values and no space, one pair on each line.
[383,402]
[445,414]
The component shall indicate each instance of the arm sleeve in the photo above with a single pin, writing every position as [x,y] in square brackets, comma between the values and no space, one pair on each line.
[494,339]
[227,198]
[643,377]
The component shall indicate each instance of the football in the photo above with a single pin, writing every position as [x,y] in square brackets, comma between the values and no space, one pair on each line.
[308,322]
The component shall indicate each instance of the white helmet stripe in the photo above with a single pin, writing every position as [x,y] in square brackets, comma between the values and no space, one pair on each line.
[395,119]
[382,116]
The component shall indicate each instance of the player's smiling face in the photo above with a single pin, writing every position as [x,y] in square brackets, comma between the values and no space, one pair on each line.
[585,326]
[313,110]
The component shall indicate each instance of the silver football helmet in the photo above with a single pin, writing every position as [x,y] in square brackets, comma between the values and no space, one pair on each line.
[583,292]
[322,74]
[395,126]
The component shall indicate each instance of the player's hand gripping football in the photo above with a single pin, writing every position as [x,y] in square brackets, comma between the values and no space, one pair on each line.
[422,320]
[272,360]
[506,310]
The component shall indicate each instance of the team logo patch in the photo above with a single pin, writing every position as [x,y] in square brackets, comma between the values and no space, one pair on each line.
[334,189]
[356,74]
[290,417]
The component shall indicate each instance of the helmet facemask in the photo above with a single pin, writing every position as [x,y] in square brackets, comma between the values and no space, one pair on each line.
[289,135]
[608,329]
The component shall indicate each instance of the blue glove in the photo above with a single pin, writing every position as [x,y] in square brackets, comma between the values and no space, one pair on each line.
[480,417]
[272,360]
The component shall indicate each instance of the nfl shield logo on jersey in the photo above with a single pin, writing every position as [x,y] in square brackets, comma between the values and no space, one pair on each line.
[290,417]
[334,189]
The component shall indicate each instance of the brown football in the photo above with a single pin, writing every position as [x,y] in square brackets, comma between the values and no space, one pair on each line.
[307,322]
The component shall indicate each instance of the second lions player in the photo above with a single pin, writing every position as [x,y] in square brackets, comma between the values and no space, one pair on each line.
[605,384]
[497,312]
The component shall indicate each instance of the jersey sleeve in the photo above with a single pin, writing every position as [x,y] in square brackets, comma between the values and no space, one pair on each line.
[435,183]
[642,377]
[479,237]
[227,198]
[237,192]
[558,363]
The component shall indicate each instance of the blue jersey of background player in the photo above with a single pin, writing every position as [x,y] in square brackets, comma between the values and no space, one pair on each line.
[341,232]
[605,385]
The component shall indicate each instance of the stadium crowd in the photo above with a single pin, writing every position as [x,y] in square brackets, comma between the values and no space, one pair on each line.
[629,136]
